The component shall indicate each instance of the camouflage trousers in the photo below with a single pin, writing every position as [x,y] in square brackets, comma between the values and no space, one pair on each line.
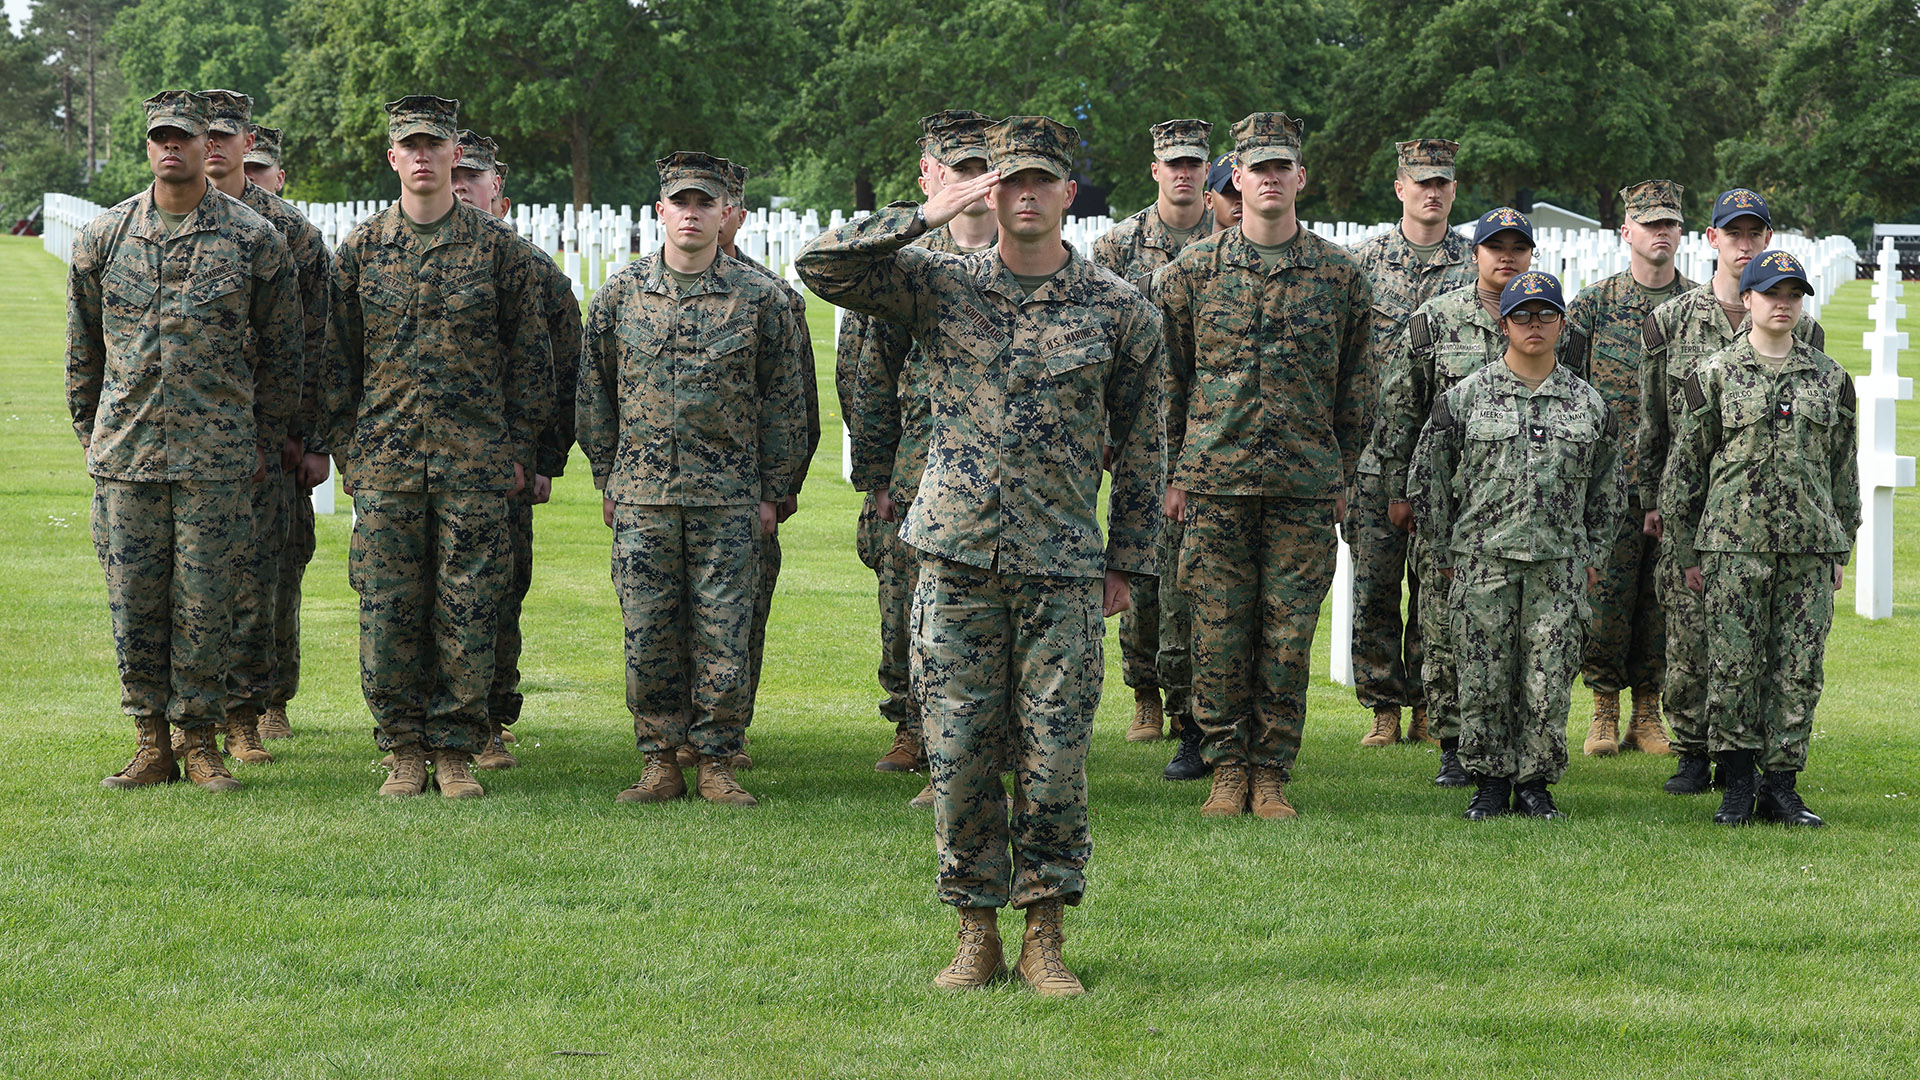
[1683,693]
[1255,571]
[1517,636]
[286,598]
[1767,620]
[686,577]
[1140,634]
[1438,682]
[503,696]
[1008,665]
[256,588]
[1174,662]
[767,580]
[1386,649]
[170,553]
[1627,643]
[431,569]
[896,568]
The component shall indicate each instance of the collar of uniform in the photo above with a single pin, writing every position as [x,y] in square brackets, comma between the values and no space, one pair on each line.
[459,228]
[148,226]
[1154,232]
[1558,382]
[992,275]
[1237,250]
[656,279]
[1801,357]
[1400,250]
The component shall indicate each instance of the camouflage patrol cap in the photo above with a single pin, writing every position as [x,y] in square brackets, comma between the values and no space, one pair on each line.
[500,168]
[1032,142]
[1740,203]
[266,147]
[1501,219]
[1427,159]
[1267,136]
[477,152]
[952,136]
[1653,200]
[1531,285]
[684,169]
[736,182]
[1176,139]
[228,111]
[423,114]
[183,110]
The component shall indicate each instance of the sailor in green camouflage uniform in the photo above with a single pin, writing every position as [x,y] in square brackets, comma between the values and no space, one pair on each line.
[1516,483]
[883,402]
[1626,642]
[1761,504]
[184,356]
[1135,248]
[1679,336]
[255,646]
[1267,394]
[1448,338]
[1035,360]
[1407,266]
[439,380]
[692,411]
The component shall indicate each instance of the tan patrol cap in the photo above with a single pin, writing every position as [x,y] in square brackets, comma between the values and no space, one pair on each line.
[1427,159]
[1267,136]
[1653,200]
[1176,139]
[684,169]
[477,152]
[266,147]
[180,109]
[419,114]
[1032,142]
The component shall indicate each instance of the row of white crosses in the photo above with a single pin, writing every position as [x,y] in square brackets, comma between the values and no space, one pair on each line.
[1881,470]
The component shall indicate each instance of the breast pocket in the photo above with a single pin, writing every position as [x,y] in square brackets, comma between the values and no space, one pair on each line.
[1492,443]
[1815,412]
[1575,440]
[1745,433]
[470,304]
[1078,378]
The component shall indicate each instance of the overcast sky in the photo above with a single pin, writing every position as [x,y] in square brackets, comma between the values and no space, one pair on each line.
[17,11]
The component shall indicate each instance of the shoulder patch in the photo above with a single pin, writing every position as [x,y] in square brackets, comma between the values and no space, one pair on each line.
[1650,333]
[1610,422]
[1848,393]
[1420,331]
[1696,398]
[1442,418]
[1817,337]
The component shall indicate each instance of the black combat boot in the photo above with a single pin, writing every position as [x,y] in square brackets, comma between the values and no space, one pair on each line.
[1451,774]
[1489,797]
[1691,777]
[1779,802]
[1187,763]
[1533,800]
[1736,806]
[1720,775]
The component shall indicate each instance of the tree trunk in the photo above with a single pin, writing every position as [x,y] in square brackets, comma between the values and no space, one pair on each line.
[91,145]
[582,170]
[1607,200]
[863,191]
[66,110]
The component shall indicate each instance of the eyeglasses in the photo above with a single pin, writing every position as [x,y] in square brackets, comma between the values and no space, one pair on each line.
[1528,318]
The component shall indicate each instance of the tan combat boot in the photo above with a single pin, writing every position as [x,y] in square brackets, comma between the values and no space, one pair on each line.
[1417,731]
[659,781]
[1228,798]
[1386,727]
[243,738]
[1603,738]
[716,782]
[452,771]
[924,800]
[507,736]
[686,756]
[495,754]
[152,757]
[273,723]
[907,754]
[1148,717]
[1040,964]
[1646,733]
[979,959]
[409,771]
[202,760]
[1270,795]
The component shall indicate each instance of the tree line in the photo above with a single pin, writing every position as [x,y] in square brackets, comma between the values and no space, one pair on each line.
[1809,101]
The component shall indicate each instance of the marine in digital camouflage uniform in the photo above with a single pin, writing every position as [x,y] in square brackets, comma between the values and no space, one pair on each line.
[178,418]
[692,410]
[1035,360]
[1762,502]
[1448,338]
[1404,275]
[1626,642]
[1516,483]
[1678,336]
[262,163]
[884,405]
[440,379]
[255,651]
[1135,248]
[1267,394]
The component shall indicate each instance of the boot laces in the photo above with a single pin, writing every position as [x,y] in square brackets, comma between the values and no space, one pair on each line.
[1384,723]
[720,775]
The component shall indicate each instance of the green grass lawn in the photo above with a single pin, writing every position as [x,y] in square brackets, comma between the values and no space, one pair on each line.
[303,928]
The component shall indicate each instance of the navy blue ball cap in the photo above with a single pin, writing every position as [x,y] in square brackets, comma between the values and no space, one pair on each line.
[1740,203]
[1770,268]
[1502,219]
[1532,285]
[1220,174]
